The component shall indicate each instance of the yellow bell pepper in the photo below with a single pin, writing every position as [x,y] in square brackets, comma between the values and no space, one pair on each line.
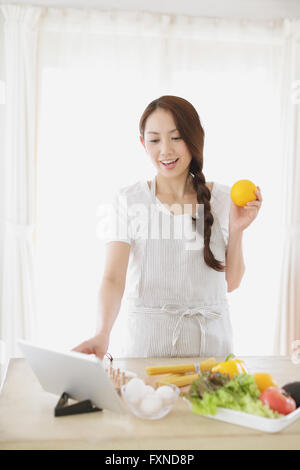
[231,367]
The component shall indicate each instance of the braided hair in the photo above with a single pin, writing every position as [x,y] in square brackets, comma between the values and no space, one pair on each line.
[188,123]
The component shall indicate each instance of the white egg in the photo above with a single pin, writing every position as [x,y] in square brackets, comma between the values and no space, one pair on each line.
[135,390]
[166,394]
[150,404]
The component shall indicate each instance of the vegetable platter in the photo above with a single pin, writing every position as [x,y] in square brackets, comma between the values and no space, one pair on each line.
[226,391]
[248,420]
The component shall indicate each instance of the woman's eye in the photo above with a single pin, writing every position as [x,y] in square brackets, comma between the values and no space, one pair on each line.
[157,140]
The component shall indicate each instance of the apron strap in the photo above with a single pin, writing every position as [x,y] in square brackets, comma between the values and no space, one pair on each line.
[153,187]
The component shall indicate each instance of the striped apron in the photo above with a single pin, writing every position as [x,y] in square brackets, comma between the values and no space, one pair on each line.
[181,309]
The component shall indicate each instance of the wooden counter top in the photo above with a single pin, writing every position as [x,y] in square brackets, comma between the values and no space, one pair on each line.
[27,420]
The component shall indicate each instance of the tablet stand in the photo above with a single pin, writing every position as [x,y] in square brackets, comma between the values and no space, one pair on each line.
[63,409]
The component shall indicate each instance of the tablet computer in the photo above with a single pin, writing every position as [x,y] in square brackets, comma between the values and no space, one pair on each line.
[81,376]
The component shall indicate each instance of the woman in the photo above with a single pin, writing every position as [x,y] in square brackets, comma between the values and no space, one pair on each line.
[177,301]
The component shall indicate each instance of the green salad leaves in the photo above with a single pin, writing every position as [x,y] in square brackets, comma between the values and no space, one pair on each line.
[213,390]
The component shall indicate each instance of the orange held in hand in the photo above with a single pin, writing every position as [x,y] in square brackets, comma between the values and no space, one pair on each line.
[243,191]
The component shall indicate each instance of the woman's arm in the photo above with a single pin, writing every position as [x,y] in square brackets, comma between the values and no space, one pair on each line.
[110,298]
[234,260]
[239,219]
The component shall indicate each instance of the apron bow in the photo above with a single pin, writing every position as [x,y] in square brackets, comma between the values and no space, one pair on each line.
[201,313]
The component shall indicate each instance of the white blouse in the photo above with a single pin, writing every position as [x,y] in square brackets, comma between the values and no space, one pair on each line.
[129,213]
[124,222]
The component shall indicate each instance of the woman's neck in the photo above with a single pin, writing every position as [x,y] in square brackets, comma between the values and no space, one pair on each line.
[177,187]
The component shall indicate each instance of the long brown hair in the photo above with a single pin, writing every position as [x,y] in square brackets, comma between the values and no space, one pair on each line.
[188,123]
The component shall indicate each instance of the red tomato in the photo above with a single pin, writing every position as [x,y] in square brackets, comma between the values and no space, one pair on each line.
[278,400]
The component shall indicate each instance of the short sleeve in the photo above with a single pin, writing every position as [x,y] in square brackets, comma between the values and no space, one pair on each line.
[222,207]
[115,224]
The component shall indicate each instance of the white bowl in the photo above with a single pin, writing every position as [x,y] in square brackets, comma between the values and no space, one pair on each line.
[163,411]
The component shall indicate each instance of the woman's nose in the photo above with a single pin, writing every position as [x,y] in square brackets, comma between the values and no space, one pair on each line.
[166,147]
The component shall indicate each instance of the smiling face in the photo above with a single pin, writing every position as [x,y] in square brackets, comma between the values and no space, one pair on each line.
[163,143]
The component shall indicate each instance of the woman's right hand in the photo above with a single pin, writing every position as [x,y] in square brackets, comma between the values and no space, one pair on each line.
[97,345]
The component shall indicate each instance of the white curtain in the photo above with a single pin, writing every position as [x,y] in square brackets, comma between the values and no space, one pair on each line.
[287,338]
[18,310]
[96,72]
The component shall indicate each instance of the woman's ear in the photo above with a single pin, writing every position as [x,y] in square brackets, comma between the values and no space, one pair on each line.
[142,142]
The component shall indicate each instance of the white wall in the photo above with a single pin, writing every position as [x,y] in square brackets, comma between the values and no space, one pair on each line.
[255,9]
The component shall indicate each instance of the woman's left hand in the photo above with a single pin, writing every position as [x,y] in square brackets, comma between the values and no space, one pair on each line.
[241,217]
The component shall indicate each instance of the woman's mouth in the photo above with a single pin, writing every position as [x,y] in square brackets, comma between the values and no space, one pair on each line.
[169,165]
